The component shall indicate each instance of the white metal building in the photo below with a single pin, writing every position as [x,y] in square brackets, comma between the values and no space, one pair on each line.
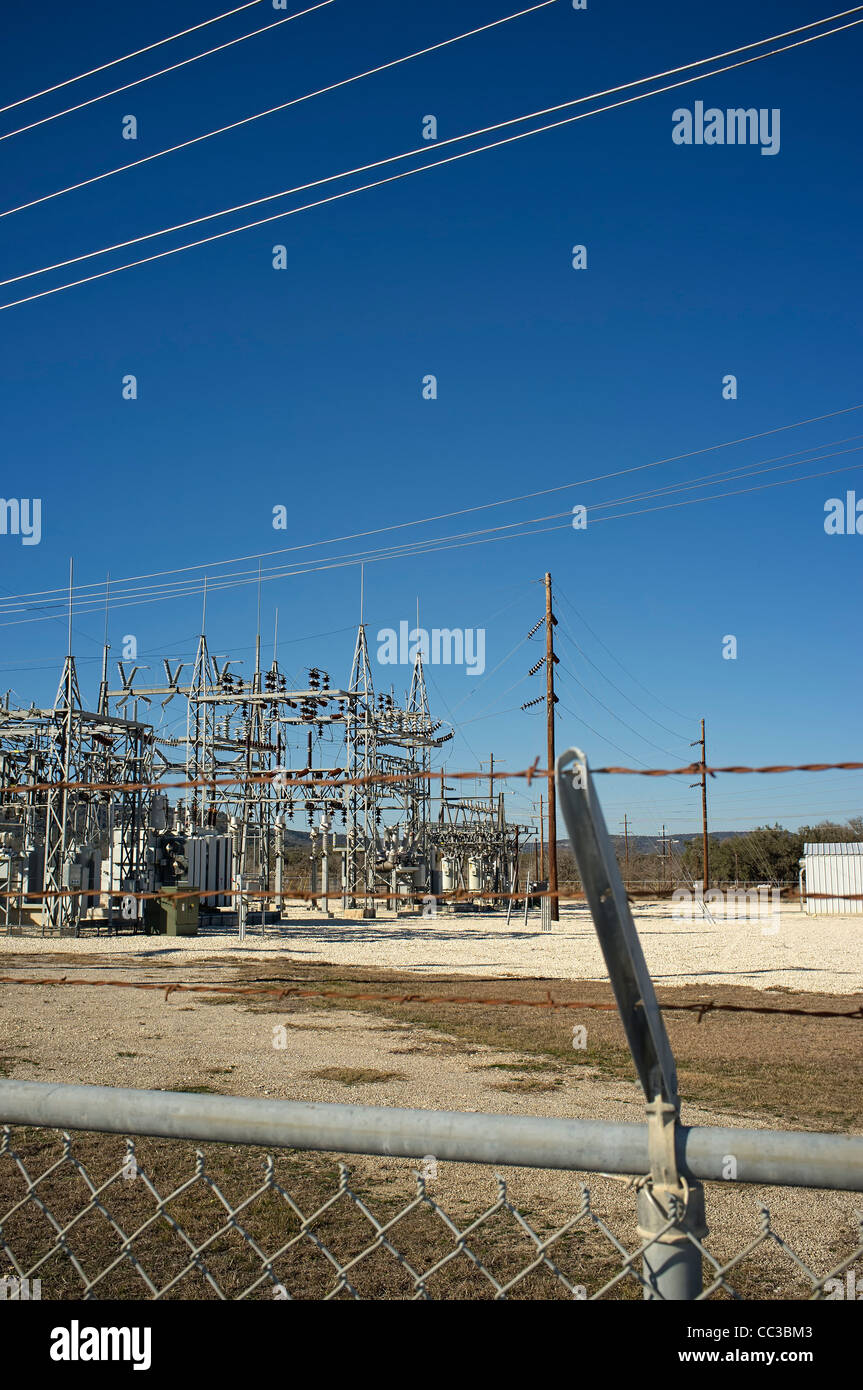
[832,868]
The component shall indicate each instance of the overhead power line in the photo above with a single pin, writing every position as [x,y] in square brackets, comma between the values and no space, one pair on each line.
[616,659]
[583,722]
[282,106]
[431,545]
[115,91]
[420,150]
[737,492]
[148,48]
[136,53]
[209,565]
[392,178]
[445,543]
[608,710]
[571,638]
[733,475]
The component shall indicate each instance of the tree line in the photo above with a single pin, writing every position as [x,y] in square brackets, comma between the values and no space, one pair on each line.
[768,854]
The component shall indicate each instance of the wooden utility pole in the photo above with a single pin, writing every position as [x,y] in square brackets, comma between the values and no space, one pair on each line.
[550,701]
[541,873]
[705,851]
[626,845]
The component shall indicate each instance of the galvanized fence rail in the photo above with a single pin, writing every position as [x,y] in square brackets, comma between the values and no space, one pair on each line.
[65,1227]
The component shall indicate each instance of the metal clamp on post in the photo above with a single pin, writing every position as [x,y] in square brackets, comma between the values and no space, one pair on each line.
[669,1208]
[661,1128]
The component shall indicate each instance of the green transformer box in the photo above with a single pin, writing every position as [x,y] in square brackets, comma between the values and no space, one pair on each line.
[170,915]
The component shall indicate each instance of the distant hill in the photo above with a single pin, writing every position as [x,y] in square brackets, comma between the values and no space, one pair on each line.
[301,837]
[652,844]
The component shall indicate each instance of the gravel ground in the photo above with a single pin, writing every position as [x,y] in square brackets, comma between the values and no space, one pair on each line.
[131,1038]
[798,952]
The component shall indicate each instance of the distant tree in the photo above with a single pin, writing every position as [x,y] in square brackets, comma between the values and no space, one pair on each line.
[830,832]
[767,854]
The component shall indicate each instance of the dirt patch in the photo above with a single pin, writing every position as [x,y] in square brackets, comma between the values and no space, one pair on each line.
[355,1076]
[517,1085]
[435,1047]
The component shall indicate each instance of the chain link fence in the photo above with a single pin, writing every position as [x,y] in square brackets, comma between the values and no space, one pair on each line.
[82,1218]
[95,1216]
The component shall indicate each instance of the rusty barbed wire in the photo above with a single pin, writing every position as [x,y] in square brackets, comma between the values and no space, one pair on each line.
[274,778]
[419,774]
[415,898]
[699,768]
[701,1007]
[457,895]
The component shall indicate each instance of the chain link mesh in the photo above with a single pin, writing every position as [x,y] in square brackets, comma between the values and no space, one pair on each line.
[73,1227]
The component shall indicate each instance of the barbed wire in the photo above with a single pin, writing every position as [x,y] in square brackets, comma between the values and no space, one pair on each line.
[314,895]
[699,768]
[277,779]
[701,1007]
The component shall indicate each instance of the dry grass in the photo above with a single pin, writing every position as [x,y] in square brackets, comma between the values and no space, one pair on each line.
[306,1273]
[355,1076]
[583,1255]
[800,1072]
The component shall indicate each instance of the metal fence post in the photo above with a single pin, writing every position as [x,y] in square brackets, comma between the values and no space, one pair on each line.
[545,912]
[669,1208]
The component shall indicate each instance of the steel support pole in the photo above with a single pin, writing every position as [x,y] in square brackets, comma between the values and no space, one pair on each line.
[242,907]
[671,1264]
[670,1210]
[280,865]
[325,865]
[705,843]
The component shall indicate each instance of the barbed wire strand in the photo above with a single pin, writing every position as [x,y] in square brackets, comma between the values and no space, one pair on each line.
[414,775]
[702,1007]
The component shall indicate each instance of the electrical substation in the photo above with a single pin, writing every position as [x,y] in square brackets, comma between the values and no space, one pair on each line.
[110,823]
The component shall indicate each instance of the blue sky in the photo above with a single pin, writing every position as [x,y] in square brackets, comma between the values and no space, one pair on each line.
[302,387]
